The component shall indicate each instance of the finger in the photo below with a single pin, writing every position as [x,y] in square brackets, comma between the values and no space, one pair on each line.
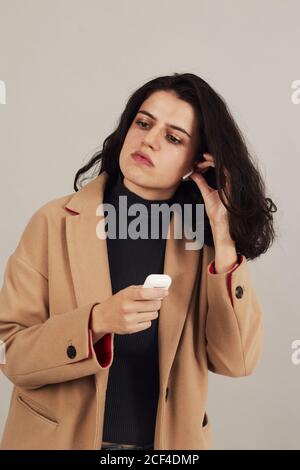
[203,168]
[208,156]
[141,327]
[148,293]
[144,317]
[141,316]
[141,306]
[204,164]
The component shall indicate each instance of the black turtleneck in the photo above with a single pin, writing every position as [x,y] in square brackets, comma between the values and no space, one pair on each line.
[133,383]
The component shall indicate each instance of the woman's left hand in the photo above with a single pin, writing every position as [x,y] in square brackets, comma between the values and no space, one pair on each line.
[215,209]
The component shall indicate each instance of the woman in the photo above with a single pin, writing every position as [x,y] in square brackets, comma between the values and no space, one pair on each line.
[98,361]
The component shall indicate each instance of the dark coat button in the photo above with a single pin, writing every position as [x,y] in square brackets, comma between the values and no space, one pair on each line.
[71,351]
[167,392]
[239,292]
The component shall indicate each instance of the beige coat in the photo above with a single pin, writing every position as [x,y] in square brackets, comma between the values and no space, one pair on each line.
[57,273]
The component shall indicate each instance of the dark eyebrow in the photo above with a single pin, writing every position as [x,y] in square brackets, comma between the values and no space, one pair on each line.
[170,125]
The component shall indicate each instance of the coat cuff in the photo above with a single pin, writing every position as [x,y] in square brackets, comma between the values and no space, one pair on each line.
[212,270]
[102,349]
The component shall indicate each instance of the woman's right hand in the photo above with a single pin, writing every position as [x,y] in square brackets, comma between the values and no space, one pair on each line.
[128,311]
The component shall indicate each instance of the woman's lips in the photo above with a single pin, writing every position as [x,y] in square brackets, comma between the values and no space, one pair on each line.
[142,160]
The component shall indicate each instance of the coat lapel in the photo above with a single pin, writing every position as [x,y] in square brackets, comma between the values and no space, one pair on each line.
[89,264]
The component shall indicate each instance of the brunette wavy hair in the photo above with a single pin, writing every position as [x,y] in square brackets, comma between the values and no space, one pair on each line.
[250,211]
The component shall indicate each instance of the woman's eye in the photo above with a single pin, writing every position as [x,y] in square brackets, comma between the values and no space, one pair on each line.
[141,122]
[175,141]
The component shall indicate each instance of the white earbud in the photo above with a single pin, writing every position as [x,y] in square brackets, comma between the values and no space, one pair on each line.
[186,176]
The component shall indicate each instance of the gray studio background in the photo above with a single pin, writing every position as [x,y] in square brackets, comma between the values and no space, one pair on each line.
[69,67]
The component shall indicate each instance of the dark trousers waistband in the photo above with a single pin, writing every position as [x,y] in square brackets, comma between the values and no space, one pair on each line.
[117,446]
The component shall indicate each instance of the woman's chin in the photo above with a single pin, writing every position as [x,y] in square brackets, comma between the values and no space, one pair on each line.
[137,175]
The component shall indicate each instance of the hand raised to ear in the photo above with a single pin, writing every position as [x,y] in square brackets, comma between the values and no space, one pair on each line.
[215,209]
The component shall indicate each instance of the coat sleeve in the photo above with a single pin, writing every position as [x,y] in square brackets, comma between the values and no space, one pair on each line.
[234,323]
[38,349]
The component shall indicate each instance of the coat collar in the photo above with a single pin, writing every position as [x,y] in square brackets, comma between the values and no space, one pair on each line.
[89,264]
